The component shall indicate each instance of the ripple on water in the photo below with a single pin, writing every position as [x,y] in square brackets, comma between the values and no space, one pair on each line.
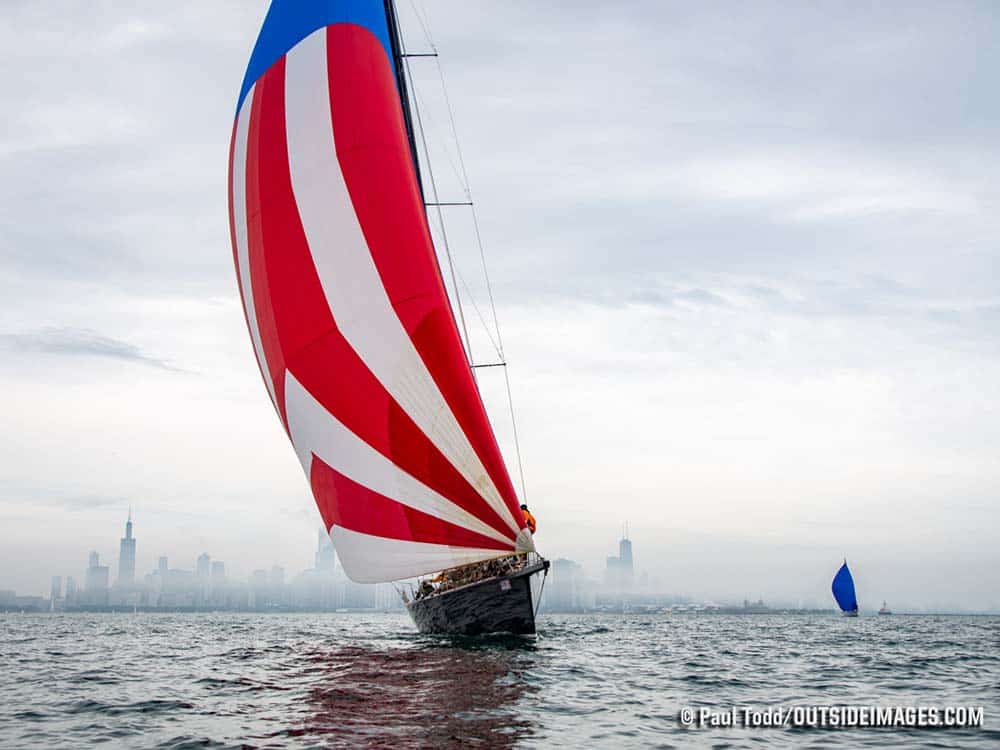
[226,681]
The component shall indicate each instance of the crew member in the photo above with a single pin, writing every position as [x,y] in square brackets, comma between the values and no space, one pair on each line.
[530,519]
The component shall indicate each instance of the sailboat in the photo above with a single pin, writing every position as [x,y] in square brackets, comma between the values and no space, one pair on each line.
[885,609]
[843,591]
[351,323]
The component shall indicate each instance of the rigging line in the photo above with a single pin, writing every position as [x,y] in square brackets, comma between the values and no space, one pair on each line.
[541,589]
[517,444]
[444,234]
[454,130]
[444,146]
[496,343]
[423,25]
[468,194]
[472,299]
[489,285]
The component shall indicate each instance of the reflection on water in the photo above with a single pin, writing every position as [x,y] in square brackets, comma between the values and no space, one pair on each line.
[427,693]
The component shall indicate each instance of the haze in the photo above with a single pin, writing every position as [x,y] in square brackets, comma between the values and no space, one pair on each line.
[745,262]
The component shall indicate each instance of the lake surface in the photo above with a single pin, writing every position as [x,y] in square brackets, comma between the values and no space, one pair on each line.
[352,680]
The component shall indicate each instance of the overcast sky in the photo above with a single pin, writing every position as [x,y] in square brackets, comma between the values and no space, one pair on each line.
[745,260]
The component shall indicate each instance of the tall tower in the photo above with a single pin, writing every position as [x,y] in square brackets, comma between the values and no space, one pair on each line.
[625,558]
[625,553]
[126,554]
[204,566]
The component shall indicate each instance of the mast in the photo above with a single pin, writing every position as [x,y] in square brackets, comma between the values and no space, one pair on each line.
[396,41]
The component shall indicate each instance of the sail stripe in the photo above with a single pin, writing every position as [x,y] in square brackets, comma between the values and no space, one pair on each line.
[264,230]
[238,229]
[371,559]
[343,502]
[317,434]
[299,332]
[350,280]
[386,197]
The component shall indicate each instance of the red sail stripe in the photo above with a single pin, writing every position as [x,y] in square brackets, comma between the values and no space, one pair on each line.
[232,234]
[298,330]
[260,165]
[344,502]
[374,156]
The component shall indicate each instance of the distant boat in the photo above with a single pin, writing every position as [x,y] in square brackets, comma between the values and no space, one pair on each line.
[843,591]
[885,609]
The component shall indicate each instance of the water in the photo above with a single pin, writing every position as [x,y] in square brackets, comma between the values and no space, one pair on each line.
[224,680]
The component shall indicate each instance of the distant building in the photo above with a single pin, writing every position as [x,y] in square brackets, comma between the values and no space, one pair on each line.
[55,592]
[218,572]
[359,595]
[277,575]
[97,579]
[161,565]
[70,588]
[258,589]
[126,555]
[386,597]
[258,578]
[564,590]
[620,572]
[326,557]
[625,555]
[95,583]
[204,566]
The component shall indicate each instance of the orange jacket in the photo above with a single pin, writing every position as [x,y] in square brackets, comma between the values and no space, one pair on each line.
[530,519]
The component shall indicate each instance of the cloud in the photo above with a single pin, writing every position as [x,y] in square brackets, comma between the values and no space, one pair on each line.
[80,342]
[35,495]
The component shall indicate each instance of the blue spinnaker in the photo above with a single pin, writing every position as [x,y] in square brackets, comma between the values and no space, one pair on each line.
[843,589]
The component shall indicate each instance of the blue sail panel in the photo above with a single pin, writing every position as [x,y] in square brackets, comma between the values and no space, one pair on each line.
[843,589]
[288,22]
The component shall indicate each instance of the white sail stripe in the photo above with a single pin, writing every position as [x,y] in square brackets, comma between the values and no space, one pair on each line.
[239,183]
[376,559]
[314,431]
[347,272]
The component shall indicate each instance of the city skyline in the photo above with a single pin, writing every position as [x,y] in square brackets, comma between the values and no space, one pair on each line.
[617,585]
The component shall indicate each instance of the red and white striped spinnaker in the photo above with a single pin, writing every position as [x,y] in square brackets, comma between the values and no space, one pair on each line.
[348,314]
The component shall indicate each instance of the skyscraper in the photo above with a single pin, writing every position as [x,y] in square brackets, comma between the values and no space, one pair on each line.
[325,555]
[218,571]
[126,554]
[619,571]
[97,576]
[204,566]
[625,555]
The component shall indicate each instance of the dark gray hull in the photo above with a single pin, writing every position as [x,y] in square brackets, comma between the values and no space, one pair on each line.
[496,605]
